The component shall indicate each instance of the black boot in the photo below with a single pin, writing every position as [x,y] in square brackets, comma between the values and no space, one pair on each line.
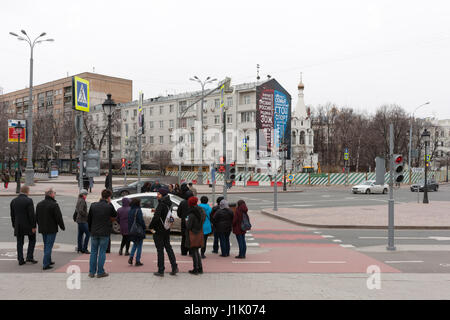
[195,272]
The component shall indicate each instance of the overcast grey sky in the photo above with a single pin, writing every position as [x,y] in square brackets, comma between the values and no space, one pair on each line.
[355,53]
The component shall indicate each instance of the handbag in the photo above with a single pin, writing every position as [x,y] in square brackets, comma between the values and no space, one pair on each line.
[245,225]
[196,240]
[136,229]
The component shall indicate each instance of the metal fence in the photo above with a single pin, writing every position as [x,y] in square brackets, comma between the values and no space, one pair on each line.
[311,178]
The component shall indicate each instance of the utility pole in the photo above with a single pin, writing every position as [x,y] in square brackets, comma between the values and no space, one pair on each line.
[140,130]
[224,140]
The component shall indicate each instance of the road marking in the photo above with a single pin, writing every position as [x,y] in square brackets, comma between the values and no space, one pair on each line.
[411,238]
[327,236]
[8,259]
[302,205]
[87,260]
[337,240]
[412,261]
[347,246]
[327,262]
[317,232]
[251,262]
[167,261]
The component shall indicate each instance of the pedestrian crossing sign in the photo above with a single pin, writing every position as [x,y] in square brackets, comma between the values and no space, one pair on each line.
[80,94]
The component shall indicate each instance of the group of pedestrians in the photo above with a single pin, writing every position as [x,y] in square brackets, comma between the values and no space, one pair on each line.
[198,222]
[6,177]
[26,221]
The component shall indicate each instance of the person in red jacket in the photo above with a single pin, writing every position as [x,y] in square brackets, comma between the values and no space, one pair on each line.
[237,230]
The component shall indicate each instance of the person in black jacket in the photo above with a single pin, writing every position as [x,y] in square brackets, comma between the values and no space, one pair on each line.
[24,223]
[223,221]
[194,226]
[182,213]
[49,217]
[100,225]
[216,236]
[162,235]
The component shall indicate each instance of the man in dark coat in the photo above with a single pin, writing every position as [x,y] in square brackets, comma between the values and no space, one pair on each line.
[24,223]
[100,225]
[182,213]
[216,236]
[162,235]
[49,217]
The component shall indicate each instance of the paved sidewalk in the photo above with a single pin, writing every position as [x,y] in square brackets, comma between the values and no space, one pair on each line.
[132,286]
[435,215]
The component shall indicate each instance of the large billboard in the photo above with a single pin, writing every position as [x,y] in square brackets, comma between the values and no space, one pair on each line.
[273,120]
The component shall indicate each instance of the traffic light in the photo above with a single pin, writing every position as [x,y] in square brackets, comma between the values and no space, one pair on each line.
[123,163]
[398,168]
[232,171]
[129,165]
[221,168]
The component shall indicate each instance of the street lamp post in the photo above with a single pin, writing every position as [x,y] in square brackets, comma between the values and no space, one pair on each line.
[426,140]
[57,147]
[410,139]
[29,171]
[203,84]
[108,107]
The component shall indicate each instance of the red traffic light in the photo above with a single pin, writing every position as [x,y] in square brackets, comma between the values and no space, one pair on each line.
[221,168]
[398,159]
[232,164]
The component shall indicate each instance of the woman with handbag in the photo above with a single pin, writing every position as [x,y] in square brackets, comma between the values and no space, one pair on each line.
[238,229]
[136,231]
[194,233]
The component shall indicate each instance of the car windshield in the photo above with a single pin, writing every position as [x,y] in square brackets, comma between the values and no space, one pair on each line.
[367,183]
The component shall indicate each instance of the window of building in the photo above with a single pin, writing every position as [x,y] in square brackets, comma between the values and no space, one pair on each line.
[151,154]
[151,139]
[171,123]
[134,113]
[126,129]
[161,140]
[216,119]
[161,109]
[229,101]
[151,111]
[192,136]
[216,103]
[182,105]
[247,99]
[247,116]
[144,139]
[151,124]
[229,118]
[126,114]
[183,123]
[302,138]
[171,108]
[161,124]
[229,155]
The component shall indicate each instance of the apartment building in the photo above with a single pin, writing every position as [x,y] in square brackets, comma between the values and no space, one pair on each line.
[53,116]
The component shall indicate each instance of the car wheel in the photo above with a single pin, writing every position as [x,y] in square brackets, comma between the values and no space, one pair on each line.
[368,191]
[385,191]
[124,193]
[115,227]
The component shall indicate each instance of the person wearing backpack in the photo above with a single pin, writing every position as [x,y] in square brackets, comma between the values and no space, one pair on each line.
[241,224]
[161,223]
[207,228]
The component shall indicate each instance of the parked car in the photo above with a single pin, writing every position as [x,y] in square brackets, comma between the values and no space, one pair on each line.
[369,187]
[432,185]
[149,202]
[131,188]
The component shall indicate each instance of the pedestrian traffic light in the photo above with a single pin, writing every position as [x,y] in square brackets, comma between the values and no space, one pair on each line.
[398,168]
[232,171]
[124,163]
[221,168]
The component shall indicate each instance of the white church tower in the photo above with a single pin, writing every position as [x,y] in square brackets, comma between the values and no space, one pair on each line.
[302,140]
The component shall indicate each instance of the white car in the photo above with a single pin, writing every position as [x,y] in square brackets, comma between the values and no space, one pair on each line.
[149,202]
[369,187]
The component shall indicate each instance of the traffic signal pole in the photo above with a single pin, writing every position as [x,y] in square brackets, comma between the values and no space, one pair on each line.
[391,246]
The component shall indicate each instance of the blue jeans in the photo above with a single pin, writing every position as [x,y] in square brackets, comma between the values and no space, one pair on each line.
[49,240]
[242,245]
[98,255]
[137,245]
[83,228]
[224,239]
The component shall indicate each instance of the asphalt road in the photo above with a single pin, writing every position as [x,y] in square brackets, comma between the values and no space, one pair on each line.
[315,197]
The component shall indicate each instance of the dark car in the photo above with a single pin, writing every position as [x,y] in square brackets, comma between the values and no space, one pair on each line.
[432,185]
[131,188]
